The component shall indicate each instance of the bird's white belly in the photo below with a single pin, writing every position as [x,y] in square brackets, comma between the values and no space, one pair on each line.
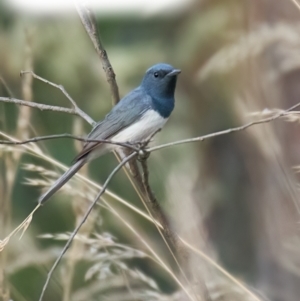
[142,129]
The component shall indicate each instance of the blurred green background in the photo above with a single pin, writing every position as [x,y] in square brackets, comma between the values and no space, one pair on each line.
[236,196]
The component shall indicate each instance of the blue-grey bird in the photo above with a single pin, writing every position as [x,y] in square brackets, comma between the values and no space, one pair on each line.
[135,118]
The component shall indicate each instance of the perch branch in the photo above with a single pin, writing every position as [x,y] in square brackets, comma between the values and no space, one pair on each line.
[225,132]
[89,22]
[68,136]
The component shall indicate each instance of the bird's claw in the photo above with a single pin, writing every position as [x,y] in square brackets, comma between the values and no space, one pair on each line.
[143,154]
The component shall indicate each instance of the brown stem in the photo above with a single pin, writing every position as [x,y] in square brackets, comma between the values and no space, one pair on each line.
[144,190]
[89,23]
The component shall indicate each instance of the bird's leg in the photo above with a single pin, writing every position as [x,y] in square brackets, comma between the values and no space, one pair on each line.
[138,146]
[143,153]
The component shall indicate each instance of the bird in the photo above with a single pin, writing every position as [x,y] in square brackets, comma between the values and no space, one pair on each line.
[134,119]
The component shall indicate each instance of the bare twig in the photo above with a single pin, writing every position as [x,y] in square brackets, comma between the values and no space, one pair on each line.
[79,206]
[131,146]
[77,110]
[69,136]
[35,152]
[39,106]
[166,231]
[89,22]
[151,201]
[116,169]
[6,87]
[224,132]
[154,206]
[90,25]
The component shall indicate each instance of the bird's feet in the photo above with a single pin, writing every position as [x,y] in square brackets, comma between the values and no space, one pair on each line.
[143,154]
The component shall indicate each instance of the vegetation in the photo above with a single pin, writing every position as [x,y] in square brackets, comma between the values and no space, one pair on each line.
[232,200]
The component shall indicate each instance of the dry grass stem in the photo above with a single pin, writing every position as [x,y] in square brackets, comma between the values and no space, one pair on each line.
[87,213]
[77,110]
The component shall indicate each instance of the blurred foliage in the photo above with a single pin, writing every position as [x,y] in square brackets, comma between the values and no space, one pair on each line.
[241,186]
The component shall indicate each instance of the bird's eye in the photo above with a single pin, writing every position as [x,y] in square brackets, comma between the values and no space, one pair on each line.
[156,74]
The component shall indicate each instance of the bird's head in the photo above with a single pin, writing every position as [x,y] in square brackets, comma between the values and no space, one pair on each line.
[160,80]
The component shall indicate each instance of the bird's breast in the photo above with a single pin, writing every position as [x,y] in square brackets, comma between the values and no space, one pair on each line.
[142,129]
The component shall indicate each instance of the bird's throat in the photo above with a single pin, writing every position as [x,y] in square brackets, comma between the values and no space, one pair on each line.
[164,106]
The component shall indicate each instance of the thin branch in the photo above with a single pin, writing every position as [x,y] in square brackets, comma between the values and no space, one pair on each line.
[77,110]
[89,23]
[39,106]
[66,247]
[69,136]
[151,149]
[151,202]
[143,189]
[224,132]
[166,231]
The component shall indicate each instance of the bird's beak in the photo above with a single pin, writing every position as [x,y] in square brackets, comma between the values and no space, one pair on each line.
[174,72]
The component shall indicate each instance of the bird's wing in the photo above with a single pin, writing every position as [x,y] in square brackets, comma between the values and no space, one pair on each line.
[128,111]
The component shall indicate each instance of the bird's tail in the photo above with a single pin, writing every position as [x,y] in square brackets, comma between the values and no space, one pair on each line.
[62,181]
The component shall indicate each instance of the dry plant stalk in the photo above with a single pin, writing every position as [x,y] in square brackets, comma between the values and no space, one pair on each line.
[11,162]
[79,205]
[141,183]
